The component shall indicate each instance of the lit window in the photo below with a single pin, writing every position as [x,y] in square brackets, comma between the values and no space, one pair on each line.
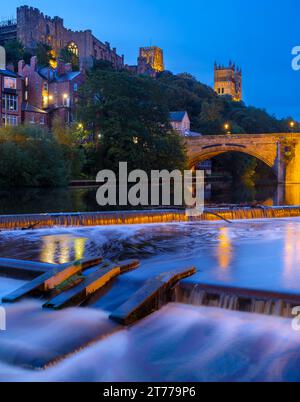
[66,100]
[46,86]
[10,120]
[73,48]
[26,95]
[26,81]
[10,102]
[10,83]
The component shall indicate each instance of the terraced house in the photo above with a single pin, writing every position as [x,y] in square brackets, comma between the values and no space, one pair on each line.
[11,94]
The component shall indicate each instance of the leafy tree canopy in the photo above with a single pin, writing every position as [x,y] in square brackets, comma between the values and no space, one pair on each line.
[130,115]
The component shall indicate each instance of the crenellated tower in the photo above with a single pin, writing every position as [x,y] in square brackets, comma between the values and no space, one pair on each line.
[228,81]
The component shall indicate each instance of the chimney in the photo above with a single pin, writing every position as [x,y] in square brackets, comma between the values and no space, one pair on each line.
[68,67]
[61,68]
[2,58]
[21,66]
[33,63]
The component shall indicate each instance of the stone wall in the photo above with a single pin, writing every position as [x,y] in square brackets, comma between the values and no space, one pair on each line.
[34,27]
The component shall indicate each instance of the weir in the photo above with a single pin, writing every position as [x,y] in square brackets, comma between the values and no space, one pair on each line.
[27,222]
[237,299]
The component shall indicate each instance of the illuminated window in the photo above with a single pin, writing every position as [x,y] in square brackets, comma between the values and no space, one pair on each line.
[10,120]
[66,100]
[26,81]
[45,86]
[10,83]
[73,48]
[10,103]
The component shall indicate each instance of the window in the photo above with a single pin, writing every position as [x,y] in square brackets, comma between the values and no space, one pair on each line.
[75,87]
[10,102]
[10,83]
[45,86]
[42,120]
[26,81]
[73,48]
[66,100]
[10,120]
[26,96]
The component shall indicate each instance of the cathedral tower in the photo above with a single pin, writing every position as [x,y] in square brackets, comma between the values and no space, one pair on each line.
[228,81]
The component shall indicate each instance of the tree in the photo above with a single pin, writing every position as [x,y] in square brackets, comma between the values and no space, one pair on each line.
[131,116]
[30,156]
[44,54]
[69,57]
[15,52]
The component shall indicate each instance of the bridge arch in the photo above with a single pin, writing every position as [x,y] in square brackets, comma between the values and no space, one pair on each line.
[211,153]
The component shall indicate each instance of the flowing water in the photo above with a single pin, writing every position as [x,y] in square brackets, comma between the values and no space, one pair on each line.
[180,342]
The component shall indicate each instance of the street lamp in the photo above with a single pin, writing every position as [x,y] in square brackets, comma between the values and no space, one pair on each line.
[292,125]
[227,128]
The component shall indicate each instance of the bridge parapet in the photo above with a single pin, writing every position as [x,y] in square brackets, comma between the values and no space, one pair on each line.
[269,148]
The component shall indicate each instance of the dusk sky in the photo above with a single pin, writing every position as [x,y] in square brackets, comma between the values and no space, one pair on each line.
[257,34]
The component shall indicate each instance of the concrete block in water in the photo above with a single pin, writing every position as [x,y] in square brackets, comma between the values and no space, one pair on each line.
[50,279]
[90,284]
[150,297]
[20,268]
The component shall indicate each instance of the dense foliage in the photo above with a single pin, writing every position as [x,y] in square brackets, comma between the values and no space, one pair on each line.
[15,52]
[129,117]
[31,156]
[208,112]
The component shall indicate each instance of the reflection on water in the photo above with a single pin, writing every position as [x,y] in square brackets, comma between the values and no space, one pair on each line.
[26,201]
[193,344]
[224,250]
[257,254]
[62,248]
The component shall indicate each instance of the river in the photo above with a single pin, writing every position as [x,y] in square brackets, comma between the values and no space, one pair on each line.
[179,342]
[81,199]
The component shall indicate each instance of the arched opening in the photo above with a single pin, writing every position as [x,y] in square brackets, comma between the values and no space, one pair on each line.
[234,177]
[73,48]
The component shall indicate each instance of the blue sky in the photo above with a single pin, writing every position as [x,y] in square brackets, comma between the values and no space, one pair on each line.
[257,34]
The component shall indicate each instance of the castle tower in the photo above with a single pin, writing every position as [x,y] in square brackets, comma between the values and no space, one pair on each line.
[154,57]
[228,81]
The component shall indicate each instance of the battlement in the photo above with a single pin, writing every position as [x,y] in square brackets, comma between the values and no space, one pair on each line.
[154,56]
[228,80]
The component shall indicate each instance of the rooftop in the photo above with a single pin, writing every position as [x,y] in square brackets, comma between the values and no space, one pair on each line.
[177,116]
[9,73]
[48,72]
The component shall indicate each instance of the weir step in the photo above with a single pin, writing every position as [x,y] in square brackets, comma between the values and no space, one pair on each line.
[90,284]
[278,303]
[51,279]
[20,268]
[150,297]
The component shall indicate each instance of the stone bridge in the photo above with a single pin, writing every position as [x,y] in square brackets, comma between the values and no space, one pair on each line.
[281,152]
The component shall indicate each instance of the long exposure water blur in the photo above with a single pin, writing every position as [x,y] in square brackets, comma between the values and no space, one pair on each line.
[194,342]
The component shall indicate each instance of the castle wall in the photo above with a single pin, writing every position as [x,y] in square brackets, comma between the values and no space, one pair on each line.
[34,27]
